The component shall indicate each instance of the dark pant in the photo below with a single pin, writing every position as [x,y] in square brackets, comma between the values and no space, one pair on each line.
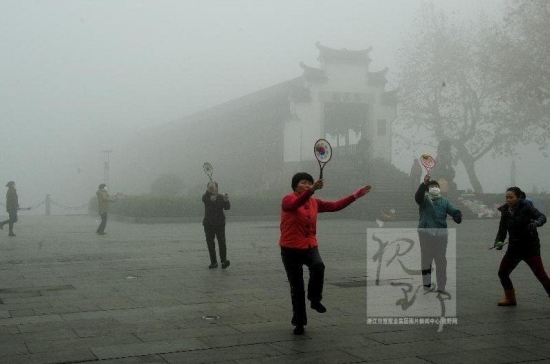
[509,263]
[101,227]
[12,219]
[212,232]
[433,248]
[293,260]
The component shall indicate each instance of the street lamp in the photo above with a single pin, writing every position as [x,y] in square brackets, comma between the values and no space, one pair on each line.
[106,167]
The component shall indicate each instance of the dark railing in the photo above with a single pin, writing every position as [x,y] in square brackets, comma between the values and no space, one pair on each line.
[345,151]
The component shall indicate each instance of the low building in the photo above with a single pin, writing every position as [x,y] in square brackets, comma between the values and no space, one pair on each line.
[256,142]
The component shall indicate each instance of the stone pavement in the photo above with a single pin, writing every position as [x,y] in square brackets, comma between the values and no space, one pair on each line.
[143,294]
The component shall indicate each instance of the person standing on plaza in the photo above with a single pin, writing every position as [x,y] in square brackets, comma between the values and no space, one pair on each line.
[12,205]
[299,244]
[103,200]
[214,223]
[363,156]
[432,231]
[519,219]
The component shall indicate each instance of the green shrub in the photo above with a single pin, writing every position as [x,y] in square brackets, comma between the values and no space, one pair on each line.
[147,206]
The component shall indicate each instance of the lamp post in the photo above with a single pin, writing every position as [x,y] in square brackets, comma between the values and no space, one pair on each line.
[106,167]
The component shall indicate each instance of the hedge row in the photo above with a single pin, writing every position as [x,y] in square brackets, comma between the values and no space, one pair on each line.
[147,206]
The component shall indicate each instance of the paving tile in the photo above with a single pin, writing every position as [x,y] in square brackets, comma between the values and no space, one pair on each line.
[469,343]
[59,357]
[112,327]
[315,343]
[58,344]
[272,336]
[9,329]
[256,353]
[540,349]
[319,357]
[21,313]
[79,306]
[140,295]
[137,349]
[399,351]
[415,333]
[543,334]
[37,336]
[26,320]
[497,327]
[11,348]
[146,359]
[73,324]
[159,335]
[490,356]
[518,339]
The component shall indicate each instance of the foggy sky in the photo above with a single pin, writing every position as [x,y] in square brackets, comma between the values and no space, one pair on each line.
[80,77]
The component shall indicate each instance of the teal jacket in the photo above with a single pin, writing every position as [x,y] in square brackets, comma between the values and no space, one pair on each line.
[433,213]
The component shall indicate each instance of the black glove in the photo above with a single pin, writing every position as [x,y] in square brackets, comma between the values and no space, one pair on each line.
[457,217]
[532,227]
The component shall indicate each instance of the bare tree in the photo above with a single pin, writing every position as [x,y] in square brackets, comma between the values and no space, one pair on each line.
[452,86]
[524,53]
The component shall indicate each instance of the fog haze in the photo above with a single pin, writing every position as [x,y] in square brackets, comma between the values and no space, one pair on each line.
[82,77]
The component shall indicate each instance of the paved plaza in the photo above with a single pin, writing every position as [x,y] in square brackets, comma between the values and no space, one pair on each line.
[143,294]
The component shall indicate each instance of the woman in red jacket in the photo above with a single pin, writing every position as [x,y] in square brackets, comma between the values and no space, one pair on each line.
[299,245]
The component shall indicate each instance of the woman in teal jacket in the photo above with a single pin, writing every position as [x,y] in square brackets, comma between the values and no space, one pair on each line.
[432,231]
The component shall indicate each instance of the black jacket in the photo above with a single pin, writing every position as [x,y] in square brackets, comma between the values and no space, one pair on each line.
[521,237]
[213,210]
[12,201]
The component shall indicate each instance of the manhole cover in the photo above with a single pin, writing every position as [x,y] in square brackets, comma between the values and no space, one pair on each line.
[211,317]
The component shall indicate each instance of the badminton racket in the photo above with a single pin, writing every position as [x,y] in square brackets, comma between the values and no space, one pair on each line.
[208,169]
[323,153]
[428,162]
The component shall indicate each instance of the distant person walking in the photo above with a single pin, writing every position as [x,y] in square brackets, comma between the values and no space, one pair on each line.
[415,174]
[299,244]
[520,219]
[432,231]
[214,223]
[363,156]
[103,200]
[12,205]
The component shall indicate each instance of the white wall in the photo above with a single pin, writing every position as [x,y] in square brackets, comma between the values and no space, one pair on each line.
[306,126]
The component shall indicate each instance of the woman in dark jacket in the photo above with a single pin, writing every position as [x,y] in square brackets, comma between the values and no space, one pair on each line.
[520,220]
[214,223]
[12,205]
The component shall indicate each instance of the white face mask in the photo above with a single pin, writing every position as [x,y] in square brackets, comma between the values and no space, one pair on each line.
[434,191]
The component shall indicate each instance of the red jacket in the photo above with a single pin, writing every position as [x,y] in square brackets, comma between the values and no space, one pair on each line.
[299,218]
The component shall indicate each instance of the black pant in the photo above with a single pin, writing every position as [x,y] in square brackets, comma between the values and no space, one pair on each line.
[293,260]
[212,232]
[510,261]
[433,248]
[12,219]
[101,227]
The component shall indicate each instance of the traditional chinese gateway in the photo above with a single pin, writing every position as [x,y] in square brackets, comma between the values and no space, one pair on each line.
[258,141]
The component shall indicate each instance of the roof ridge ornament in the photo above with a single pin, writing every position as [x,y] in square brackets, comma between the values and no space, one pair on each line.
[344,55]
